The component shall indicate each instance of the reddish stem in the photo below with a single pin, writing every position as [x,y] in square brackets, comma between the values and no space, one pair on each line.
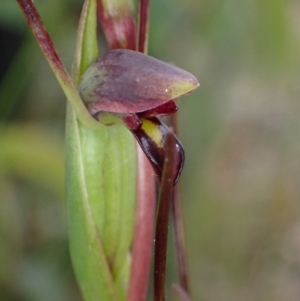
[143,230]
[146,197]
[161,234]
[119,28]
[178,228]
[143,25]
[34,21]
[179,239]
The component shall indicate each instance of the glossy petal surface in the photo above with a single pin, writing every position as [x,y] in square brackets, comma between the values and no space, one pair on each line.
[152,137]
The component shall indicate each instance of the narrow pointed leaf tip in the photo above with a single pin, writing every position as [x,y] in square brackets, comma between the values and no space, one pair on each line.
[126,81]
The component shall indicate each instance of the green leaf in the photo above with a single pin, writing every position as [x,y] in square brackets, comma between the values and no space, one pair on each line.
[82,148]
[101,187]
[86,49]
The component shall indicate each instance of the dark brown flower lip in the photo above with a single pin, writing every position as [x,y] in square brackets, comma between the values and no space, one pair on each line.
[154,147]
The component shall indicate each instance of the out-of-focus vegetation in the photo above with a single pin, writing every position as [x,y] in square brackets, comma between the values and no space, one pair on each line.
[241,132]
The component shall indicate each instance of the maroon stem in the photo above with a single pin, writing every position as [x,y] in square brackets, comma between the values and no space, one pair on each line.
[161,234]
[178,228]
[143,25]
[146,197]
[34,20]
[179,239]
[143,230]
[118,25]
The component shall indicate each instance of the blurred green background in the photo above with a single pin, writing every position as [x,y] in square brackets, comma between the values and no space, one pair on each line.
[240,129]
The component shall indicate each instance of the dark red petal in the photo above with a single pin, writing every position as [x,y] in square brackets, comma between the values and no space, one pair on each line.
[151,137]
[131,121]
[165,109]
[126,81]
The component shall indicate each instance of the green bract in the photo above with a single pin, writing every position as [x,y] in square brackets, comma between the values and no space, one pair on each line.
[101,189]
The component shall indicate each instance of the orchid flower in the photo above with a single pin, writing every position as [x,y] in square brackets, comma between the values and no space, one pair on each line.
[135,89]
[112,99]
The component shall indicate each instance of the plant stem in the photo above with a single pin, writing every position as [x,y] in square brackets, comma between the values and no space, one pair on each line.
[161,234]
[143,25]
[117,23]
[34,20]
[144,230]
[179,239]
[178,228]
[145,208]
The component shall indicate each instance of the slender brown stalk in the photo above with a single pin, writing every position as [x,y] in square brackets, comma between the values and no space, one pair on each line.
[146,197]
[143,25]
[34,20]
[143,230]
[38,29]
[178,228]
[179,239]
[117,23]
[161,233]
